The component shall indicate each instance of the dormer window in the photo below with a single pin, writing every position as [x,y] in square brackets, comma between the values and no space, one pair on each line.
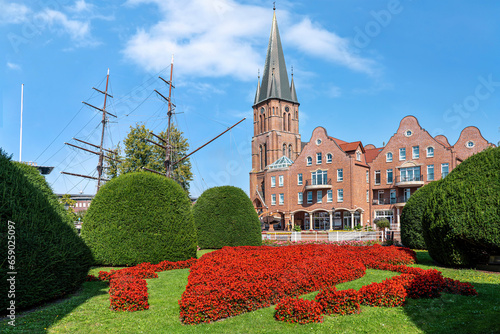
[358,155]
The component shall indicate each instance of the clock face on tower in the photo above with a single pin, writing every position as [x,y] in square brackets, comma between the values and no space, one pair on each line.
[287,109]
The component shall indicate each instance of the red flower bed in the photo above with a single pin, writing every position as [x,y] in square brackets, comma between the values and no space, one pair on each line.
[128,289]
[459,288]
[128,293]
[339,301]
[388,293]
[301,311]
[427,285]
[235,280]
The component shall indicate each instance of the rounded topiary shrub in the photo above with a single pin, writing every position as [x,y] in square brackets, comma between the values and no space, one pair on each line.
[140,217]
[225,216]
[411,218]
[42,255]
[461,221]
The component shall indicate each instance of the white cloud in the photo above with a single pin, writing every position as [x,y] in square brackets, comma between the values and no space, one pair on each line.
[13,13]
[209,38]
[57,20]
[224,38]
[81,6]
[315,40]
[13,66]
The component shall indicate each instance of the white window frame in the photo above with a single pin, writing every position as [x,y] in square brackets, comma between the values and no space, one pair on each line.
[358,155]
[319,158]
[367,176]
[340,195]
[309,197]
[430,152]
[319,196]
[388,157]
[415,152]
[387,176]
[442,170]
[368,196]
[300,198]
[299,179]
[340,175]
[375,177]
[273,181]
[273,199]
[309,161]
[329,196]
[282,199]
[402,153]
[393,192]
[429,167]
[281,180]
[329,158]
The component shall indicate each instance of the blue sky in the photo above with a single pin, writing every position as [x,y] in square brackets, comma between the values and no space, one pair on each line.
[359,67]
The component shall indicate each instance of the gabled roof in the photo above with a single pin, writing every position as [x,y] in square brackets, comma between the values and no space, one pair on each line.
[275,78]
[338,141]
[372,153]
[348,147]
[282,162]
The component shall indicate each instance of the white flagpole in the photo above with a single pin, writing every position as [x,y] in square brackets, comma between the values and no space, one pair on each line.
[21,134]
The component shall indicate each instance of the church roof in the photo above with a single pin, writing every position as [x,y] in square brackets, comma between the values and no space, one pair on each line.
[275,78]
[282,162]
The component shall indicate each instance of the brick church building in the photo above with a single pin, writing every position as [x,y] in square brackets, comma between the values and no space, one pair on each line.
[328,183]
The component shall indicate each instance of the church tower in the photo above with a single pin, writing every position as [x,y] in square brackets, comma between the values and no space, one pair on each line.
[275,116]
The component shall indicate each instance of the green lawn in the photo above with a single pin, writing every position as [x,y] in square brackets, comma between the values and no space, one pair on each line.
[88,311]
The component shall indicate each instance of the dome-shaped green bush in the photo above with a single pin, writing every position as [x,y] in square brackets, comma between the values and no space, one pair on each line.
[38,241]
[461,221]
[225,216]
[140,217]
[411,218]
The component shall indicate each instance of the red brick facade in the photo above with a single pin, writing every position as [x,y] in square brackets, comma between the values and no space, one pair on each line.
[341,184]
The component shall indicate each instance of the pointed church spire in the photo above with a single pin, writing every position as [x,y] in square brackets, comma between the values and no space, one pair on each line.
[292,90]
[256,100]
[275,78]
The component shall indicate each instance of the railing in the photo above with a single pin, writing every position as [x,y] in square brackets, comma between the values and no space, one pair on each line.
[319,182]
[325,236]
[409,178]
[383,201]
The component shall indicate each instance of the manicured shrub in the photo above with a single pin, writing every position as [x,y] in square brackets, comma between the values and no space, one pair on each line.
[301,311]
[340,302]
[39,242]
[140,217]
[411,218]
[461,219]
[225,216]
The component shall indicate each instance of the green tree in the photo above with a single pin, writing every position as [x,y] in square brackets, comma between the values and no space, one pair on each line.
[69,204]
[111,170]
[139,153]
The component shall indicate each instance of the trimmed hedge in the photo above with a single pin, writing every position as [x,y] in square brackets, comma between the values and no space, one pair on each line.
[412,235]
[38,238]
[225,216]
[461,221]
[140,217]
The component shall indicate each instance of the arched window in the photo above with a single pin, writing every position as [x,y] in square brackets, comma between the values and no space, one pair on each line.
[430,152]
[290,151]
[261,160]
[388,157]
[329,158]
[289,122]
[309,161]
[284,149]
[358,155]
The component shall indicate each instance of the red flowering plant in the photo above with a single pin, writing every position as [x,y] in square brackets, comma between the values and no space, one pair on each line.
[128,293]
[340,302]
[459,288]
[428,285]
[388,293]
[301,311]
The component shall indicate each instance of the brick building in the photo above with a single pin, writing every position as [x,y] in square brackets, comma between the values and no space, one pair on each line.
[328,183]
